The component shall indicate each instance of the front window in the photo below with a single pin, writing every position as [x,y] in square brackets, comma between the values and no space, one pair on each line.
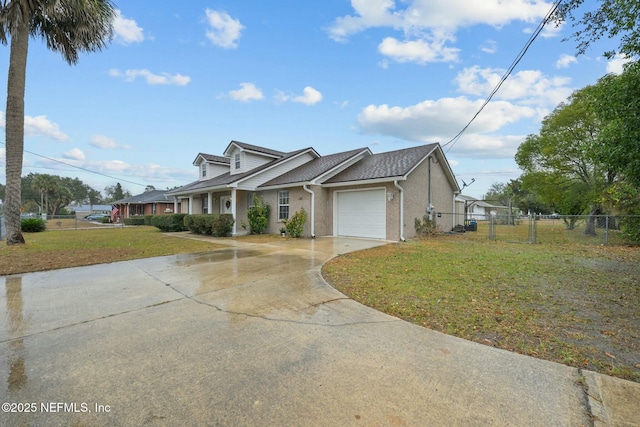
[136,210]
[203,168]
[283,205]
[237,160]
[205,205]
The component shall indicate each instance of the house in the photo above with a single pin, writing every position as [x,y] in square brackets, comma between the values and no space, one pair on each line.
[354,193]
[470,208]
[151,202]
[83,210]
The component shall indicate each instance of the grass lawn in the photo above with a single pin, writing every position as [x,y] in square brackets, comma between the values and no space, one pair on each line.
[54,249]
[570,303]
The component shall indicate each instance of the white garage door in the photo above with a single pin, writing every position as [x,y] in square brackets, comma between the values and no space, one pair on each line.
[361,213]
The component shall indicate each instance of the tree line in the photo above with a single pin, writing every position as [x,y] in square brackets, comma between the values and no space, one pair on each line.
[586,157]
[52,193]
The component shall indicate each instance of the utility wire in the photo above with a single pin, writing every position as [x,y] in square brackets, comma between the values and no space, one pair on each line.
[80,167]
[513,65]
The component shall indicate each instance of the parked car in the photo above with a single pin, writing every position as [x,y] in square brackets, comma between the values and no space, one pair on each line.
[96,216]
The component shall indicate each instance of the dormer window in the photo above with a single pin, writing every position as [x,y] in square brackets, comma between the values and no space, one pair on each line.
[236,160]
[203,168]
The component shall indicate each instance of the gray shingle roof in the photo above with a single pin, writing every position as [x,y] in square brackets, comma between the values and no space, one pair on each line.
[257,149]
[384,165]
[146,197]
[212,158]
[226,178]
[313,169]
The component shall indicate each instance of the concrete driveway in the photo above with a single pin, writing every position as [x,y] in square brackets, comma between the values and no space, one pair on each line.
[252,335]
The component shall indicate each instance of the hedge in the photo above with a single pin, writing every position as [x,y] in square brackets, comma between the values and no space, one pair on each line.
[218,225]
[134,221]
[171,222]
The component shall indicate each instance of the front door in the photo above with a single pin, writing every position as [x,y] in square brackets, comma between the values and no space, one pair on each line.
[225,204]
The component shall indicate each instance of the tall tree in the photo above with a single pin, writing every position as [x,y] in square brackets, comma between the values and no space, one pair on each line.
[69,27]
[612,18]
[46,185]
[115,192]
[617,103]
[561,162]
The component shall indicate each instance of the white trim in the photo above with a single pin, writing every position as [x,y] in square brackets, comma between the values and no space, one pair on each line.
[365,181]
[313,210]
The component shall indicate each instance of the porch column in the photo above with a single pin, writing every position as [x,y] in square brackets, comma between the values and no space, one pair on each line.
[233,211]
[209,202]
[190,204]
[175,204]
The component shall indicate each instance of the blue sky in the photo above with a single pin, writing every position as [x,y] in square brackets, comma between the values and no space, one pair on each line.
[181,78]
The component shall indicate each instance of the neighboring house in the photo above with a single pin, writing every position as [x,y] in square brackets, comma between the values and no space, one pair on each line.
[475,209]
[354,193]
[84,210]
[151,202]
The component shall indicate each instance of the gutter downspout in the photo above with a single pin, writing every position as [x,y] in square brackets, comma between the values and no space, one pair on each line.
[429,201]
[455,214]
[402,239]
[313,210]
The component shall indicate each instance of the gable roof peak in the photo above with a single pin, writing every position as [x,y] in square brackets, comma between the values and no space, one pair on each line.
[253,148]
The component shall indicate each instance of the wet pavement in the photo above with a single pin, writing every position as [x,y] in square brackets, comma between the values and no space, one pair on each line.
[252,335]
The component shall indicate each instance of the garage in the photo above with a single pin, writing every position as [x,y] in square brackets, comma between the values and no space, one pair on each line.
[361,213]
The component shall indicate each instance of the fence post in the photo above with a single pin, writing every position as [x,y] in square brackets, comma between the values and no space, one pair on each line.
[606,230]
[492,227]
[532,228]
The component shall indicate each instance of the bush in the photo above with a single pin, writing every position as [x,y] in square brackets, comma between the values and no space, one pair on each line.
[258,215]
[169,223]
[212,225]
[223,225]
[426,227]
[32,225]
[295,224]
[106,220]
[134,221]
[147,219]
[630,227]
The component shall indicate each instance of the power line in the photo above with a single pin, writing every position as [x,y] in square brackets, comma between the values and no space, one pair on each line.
[80,167]
[513,65]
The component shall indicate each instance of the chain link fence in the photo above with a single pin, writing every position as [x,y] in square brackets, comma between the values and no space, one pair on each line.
[559,229]
[63,222]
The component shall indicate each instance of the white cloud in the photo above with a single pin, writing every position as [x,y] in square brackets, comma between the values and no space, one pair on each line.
[151,78]
[448,15]
[529,86]
[104,142]
[310,96]
[420,51]
[74,154]
[566,60]
[224,31]
[126,30]
[437,121]
[39,126]
[489,46]
[247,92]
[616,65]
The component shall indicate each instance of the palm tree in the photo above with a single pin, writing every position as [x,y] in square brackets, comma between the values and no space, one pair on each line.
[68,27]
[45,184]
